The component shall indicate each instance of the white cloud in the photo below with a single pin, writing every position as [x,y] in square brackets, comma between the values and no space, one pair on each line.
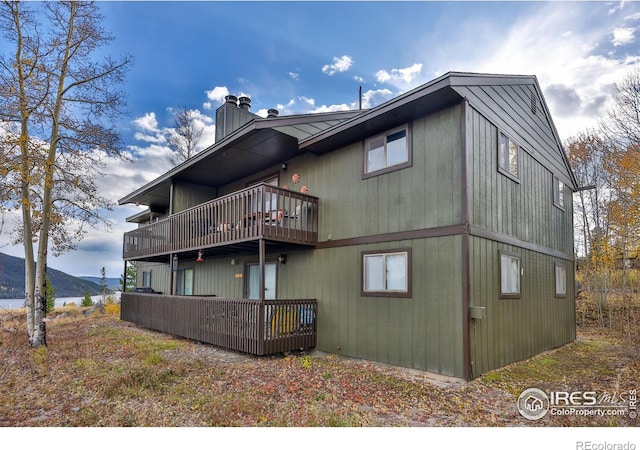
[294,76]
[358,79]
[406,75]
[374,98]
[148,129]
[157,139]
[308,101]
[573,54]
[331,108]
[341,64]
[217,95]
[623,36]
[148,122]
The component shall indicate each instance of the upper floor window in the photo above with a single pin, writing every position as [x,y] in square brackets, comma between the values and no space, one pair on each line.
[386,274]
[386,152]
[558,193]
[508,155]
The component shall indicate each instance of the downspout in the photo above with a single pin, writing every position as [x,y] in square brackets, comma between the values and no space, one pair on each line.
[467,366]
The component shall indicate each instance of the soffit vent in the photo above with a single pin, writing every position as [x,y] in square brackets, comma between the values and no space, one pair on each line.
[534,103]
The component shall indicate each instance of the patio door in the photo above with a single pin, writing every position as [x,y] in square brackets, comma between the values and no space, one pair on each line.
[184,282]
[253,281]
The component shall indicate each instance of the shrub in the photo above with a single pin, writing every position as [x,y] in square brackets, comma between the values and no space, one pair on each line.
[87,301]
[111,308]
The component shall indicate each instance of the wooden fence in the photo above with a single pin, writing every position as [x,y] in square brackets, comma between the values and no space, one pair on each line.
[250,326]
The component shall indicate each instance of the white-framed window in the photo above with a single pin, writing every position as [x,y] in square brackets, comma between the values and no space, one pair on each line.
[558,193]
[561,280]
[184,282]
[509,275]
[387,152]
[508,156]
[386,273]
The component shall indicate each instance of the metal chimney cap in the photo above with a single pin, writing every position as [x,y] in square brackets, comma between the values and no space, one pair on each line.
[272,112]
[231,99]
[245,102]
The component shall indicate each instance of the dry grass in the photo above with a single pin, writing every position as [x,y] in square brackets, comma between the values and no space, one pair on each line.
[100,371]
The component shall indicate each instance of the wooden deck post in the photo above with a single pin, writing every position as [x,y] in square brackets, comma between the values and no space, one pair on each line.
[261,251]
[124,278]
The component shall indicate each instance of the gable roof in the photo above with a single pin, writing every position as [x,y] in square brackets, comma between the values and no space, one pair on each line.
[271,140]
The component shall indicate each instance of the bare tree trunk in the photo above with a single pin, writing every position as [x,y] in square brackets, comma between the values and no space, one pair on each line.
[40,337]
[25,193]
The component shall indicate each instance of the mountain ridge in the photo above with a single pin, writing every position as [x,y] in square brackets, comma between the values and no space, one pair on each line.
[65,285]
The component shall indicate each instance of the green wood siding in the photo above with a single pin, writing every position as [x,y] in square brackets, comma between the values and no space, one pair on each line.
[521,209]
[186,195]
[515,329]
[423,332]
[160,275]
[509,108]
[425,195]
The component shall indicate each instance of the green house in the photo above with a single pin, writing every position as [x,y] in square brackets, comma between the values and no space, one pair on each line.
[434,231]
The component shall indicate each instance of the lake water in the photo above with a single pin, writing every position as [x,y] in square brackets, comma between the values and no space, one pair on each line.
[19,303]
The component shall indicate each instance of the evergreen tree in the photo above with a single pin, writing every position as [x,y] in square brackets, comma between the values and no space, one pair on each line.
[51,296]
[103,284]
[131,275]
[87,301]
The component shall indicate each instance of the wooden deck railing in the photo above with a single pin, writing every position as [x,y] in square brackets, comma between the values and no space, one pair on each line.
[260,211]
[250,326]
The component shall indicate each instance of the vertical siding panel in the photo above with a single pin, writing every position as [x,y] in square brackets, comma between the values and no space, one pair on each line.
[394,199]
[445,299]
[433,322]
[420,311]
[457,305]
[420,161]
[348,280]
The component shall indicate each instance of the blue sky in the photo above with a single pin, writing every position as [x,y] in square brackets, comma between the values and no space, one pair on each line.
[301,57]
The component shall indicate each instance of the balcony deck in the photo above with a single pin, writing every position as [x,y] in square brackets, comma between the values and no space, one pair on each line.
[257,212]
[250,326]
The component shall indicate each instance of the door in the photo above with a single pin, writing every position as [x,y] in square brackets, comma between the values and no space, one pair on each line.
[184,282]
[253,281]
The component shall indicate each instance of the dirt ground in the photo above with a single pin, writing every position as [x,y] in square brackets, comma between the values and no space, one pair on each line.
[99,371]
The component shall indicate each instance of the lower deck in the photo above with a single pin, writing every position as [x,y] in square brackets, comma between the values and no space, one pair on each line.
[250,326]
